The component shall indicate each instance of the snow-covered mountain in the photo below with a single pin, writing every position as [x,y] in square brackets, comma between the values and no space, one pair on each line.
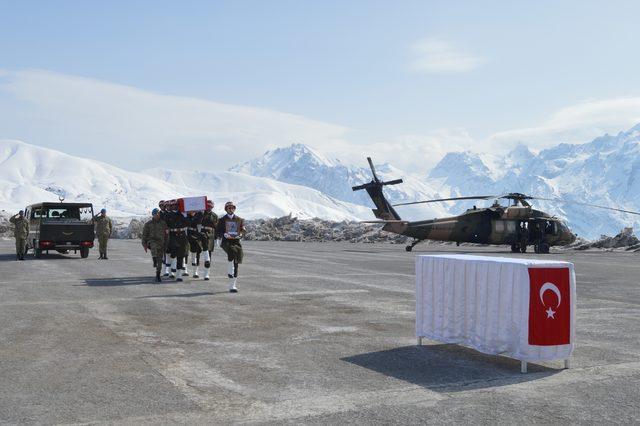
[302,165]
[605,171]
[260,197]
[305,183]
[30,174]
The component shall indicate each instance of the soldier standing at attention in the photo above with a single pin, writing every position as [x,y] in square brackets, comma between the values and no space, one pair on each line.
[21,232]
[104,226]
[154,238]
[231,229]
[208,229]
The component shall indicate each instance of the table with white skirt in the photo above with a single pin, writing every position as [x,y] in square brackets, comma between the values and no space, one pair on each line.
[521,308]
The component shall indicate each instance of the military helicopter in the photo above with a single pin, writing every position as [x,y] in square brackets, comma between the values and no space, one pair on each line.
[518,224]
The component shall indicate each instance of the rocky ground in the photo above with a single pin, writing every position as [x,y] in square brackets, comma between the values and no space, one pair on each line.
[289,228]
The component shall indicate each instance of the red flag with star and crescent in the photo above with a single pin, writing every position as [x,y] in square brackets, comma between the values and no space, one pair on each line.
[549,306]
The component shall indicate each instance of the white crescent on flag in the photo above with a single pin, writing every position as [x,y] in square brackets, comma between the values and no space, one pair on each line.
[553,288]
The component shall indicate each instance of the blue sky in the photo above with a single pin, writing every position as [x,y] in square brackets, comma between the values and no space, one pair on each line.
[405,81]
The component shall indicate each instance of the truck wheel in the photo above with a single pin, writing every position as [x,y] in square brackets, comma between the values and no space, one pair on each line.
[84,252]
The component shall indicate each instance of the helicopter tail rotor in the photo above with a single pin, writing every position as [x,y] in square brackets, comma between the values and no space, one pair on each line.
[383,209]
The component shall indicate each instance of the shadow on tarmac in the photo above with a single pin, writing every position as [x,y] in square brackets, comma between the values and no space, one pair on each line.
[29,256]
[202,293]
[114,281]
[6,257]
[448,367]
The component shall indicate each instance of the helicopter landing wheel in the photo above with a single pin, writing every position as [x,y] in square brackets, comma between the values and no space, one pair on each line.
[408,248]
[523,248]
[515,248]
[543,248]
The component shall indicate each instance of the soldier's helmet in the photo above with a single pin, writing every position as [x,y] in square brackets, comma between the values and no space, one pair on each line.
[173,205]
[21,213]
[209,204]
[162,204]
[154,212]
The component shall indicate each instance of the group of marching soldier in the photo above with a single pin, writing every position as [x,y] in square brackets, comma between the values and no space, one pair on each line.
[174,237]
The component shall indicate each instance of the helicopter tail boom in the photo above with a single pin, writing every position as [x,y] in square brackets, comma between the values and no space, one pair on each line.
[384,210]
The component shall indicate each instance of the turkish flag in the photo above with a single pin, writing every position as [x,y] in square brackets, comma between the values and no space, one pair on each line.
[549,306]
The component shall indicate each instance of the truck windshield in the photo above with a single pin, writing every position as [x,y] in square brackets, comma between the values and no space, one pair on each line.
[70,213]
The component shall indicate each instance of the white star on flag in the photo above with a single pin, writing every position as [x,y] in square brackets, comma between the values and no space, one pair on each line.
[550,313]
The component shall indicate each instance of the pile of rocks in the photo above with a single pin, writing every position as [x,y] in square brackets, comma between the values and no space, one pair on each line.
[6,228]
[289,228]
[625,239]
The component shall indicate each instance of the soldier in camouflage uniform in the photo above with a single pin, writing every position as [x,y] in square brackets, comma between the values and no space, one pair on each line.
[177,245]
[231,229]
[185,261]
[194,237]
[166,258]
[21,233]
[208,231]
[104,227]
[154,238]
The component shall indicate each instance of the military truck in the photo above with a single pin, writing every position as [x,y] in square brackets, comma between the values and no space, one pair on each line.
[61,227]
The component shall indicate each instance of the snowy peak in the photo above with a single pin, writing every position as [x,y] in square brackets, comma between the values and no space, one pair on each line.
[298,164]
[282,162]
[30,174]
[605,171]
[520,155]
[466,160]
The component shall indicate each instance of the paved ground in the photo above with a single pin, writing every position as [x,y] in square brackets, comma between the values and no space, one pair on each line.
[319,333]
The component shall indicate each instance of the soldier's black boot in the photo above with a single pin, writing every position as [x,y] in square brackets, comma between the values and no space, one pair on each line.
[158,279]
[17,257]
[104,256]
[22,257]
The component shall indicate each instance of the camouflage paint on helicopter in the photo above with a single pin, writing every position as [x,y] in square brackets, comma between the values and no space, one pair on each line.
[517,225]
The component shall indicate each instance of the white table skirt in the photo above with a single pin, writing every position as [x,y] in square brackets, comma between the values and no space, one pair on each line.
[484,302]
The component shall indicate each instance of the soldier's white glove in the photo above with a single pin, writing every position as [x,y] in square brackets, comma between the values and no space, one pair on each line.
[226,235]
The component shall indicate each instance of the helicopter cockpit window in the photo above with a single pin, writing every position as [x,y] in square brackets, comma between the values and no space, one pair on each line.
[550,228]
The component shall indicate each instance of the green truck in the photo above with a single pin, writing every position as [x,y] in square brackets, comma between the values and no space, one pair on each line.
[61,227]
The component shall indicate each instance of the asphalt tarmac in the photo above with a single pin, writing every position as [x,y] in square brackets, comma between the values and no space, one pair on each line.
[320,333]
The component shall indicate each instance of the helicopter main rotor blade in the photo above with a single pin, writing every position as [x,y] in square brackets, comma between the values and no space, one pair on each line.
[557,200]
[477,197]
[373,170]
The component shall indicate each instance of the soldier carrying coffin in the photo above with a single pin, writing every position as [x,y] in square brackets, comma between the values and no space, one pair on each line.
[154,238]
[208,231]
[194,237]
[177,246]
